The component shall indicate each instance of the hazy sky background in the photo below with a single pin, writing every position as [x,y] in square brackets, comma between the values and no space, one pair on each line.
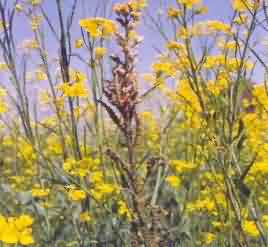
[218,9]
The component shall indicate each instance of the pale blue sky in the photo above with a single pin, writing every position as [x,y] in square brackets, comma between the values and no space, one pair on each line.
[217,9]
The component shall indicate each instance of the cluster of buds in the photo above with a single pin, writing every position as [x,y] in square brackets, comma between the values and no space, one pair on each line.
[132,9]
[121,91]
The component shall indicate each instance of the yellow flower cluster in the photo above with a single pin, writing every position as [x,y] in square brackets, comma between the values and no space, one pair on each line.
[265,220]
[103,191]
[25,150]
[218,26]
[123,210]
[256,122]
[165,68]
[53,144]
[250,228]
[188,103]
[82,167]
[85,217]
[16,230]
[208,238]
[73,90]
[98,27]
[211,197]
[205,205]
[132,7]
[173,181]
[173,12]
[137,5]
[3,104]
[76,195]
[76,87]
[100,52]
[245,5]
[182,166]
[216,87]
[79,43]
[230,64]
[88,167]
[39,192]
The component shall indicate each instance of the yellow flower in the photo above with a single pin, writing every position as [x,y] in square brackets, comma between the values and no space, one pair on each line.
[3,92]
[214,88]
[3,223]
[36,2]
[53,141]
[96,177]
[106,188]
[259,168]
[165,68]
[2,26]
[3,67]
[39,192]
[18,7]
[16,230]
[123,210]
[103,190]
[241,19]
[239,5]
[85,217]
[201,205]
[10,234]
[182,166]
[77,76]
[79,43]
[222,44]
[183,33]
[23,221]
[173,45]
[173,181]
[201,10]
[250,228]
[98,27]
[218,26]
[265,220]
[77,89]
[208,237]
[121,8]
[25,237]
[26,151]
[244,5]
[137,5]
[217,224]
[189,3]
[100,52]
[77,195]
[173,12]
[263,202]
[40,75]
